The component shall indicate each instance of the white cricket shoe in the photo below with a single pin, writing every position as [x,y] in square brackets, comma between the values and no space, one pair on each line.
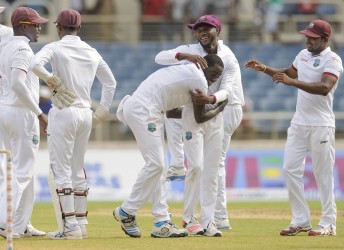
[323,231]
[175,173]
[3,233]
[168,230]
[212,231]
[193,227]
[222,224]
[73,233]
[32,232]
[83,231]
[128,222]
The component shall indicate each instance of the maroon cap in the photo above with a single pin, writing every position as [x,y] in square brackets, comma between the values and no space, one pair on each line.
[207,19]
[25,14]
[318,28]
[69,18]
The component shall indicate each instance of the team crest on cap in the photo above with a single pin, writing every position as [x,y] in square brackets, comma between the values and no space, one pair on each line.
[151,127]
[35,139]
[188,136]
[311,25]
[316,63]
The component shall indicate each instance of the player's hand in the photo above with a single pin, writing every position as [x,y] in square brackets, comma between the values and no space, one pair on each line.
[255,65]
[223,104]
[199,61]
[43,120]
[199,98]
[282,78]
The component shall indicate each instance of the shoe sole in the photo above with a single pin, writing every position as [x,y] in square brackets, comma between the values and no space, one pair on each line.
[170,236]
[224,228]
[114,213]
[293,234]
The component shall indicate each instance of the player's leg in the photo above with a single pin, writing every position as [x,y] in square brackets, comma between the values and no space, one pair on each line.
[323,157]
[209,176]
[78,171]
[294,166]
[63,125]
[193,146]
[232,116]
[174,134]
[24,131]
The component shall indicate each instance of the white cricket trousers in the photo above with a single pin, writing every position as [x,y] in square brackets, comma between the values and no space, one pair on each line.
[68,133]
[320,142]
[203,147]
[19,128]
[174,135]
[151,145]
[232,116]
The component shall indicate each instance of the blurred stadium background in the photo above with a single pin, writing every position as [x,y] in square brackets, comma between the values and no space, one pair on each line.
[129,33]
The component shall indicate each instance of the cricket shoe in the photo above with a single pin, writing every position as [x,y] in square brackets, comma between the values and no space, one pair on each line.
[128,222]
[176,174]
[72,233]
[3,233]
[32,232]
[193,227]
[166,229]
[222,224]
[83,231]
[322,231]
[293,230]
[212,231]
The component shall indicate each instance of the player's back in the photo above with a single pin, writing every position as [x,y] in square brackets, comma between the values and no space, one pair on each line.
[169,87]
[76,63]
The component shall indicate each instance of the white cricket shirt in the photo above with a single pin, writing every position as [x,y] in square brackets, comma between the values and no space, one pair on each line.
[316,110]
[5,34]
[169,87]
[17,53]
[77,63]
[228,85]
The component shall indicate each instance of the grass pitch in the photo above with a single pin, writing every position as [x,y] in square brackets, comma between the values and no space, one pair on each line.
[256,225]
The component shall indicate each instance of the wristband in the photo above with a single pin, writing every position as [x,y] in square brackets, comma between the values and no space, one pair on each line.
[214,99]
[177,55]
[264,68]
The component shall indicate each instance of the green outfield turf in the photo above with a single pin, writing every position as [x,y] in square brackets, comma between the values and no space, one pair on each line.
[256,225]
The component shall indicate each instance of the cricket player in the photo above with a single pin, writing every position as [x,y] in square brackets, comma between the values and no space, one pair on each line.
[315,72]
[20,117]
[207,30]
[74,67]
[166,89]
[5,34]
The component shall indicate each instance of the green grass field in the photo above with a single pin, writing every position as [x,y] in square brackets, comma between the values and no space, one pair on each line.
[256,225]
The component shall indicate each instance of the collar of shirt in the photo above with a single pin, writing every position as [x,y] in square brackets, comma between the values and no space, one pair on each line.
[70,38]
[24,38]
[322,53]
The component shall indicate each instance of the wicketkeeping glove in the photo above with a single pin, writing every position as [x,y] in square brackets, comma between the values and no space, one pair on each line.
[99,116]
[60,92]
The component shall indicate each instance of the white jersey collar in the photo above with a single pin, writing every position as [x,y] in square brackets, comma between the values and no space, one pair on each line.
[71,38]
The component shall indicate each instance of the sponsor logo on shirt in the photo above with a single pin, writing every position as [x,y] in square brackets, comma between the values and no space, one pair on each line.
[24,49]
[303,59]
[322,142]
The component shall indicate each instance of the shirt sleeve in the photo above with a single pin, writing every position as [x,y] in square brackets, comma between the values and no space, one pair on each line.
[168,57]
[20,88]
[334,66]
[39,60]
[108,82]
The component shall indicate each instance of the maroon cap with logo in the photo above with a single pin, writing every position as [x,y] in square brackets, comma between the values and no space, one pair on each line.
[69,18]
[318,28]
[24,15]
[207,19]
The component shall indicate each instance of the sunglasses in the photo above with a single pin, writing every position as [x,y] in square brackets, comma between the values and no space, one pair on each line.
[37,25]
